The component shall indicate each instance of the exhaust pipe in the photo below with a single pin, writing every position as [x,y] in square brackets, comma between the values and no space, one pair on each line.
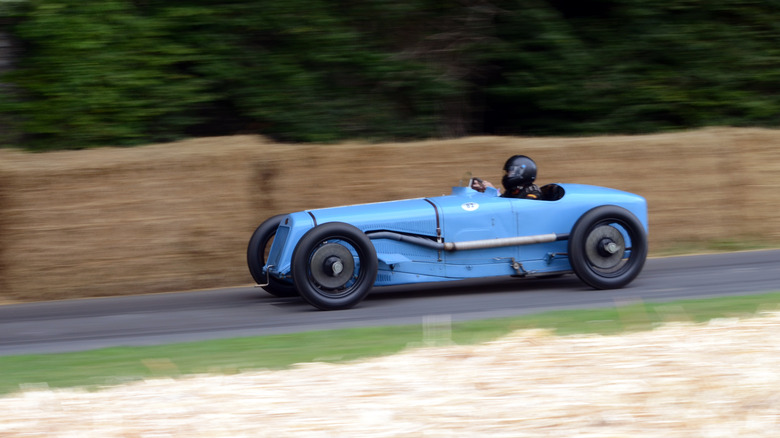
[504,241]
[471,244]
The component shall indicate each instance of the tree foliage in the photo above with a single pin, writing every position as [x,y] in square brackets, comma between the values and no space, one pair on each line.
[122,72]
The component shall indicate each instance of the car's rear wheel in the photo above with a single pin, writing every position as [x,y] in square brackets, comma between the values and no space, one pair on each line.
[257,254]
[334,266]
[607,247]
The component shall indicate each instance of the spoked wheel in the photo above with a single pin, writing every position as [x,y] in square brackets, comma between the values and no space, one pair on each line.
[257,254]
[607,247]
[334,266]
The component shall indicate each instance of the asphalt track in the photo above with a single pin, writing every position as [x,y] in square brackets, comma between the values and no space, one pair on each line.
[75,325]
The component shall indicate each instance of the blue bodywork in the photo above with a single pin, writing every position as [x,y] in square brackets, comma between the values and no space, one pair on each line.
[465,215]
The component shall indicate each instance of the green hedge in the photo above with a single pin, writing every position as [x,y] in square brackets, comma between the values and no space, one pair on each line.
[121,72]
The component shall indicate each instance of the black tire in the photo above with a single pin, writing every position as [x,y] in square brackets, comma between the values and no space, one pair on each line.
[607,247]
[334,266]
[259,245]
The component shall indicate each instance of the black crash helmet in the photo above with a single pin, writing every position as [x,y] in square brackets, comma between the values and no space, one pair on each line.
[519,171]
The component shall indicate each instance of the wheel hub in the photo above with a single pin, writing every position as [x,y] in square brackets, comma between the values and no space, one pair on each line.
[605,247]
[332,265]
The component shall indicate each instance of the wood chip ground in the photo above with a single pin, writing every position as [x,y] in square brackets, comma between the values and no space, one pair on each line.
[719,379]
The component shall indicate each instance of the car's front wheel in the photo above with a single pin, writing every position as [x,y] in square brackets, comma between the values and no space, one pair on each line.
[334,266]
[607,247]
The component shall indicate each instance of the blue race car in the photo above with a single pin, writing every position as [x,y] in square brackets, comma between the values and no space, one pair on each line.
[333,257]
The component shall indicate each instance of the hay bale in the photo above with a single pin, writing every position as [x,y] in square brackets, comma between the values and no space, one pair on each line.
[168,217]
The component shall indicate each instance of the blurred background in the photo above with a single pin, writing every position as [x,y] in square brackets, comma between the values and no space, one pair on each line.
[281,105]
[122,72]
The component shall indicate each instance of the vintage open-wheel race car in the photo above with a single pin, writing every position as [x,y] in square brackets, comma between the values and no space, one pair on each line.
[333,257]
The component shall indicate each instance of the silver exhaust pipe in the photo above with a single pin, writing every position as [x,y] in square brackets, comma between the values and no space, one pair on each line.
[504,241]
[471,244]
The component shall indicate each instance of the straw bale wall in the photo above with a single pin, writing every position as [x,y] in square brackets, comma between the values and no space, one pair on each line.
[114,221]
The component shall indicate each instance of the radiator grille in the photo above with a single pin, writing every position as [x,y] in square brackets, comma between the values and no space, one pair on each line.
[276,248]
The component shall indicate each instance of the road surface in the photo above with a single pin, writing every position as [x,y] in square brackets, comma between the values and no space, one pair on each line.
[74,325]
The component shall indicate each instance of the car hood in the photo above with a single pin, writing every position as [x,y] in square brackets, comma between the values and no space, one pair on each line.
[413,216]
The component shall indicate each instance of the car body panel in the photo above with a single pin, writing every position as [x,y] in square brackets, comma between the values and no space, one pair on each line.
[465,215]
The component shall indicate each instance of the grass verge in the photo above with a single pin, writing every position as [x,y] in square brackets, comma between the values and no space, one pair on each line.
[106,367]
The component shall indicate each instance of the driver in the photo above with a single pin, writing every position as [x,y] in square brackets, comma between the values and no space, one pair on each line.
[518,180]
